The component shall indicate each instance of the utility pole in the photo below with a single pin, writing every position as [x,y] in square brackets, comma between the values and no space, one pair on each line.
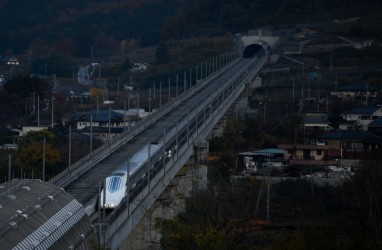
[70,146]
[268,187]
[265,111]
[108,132]
[43,160]
[91,134]
[160,95]
[177,82]
[150,100]
[293,90]
[169,89]
[52,112]
[9,166]
[38,111]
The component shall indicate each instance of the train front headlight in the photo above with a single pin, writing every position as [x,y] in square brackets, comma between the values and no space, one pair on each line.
[109,205]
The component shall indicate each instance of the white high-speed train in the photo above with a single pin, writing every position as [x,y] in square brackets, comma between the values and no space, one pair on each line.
[115,188]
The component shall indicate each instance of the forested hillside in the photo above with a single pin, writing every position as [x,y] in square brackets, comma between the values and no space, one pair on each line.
[216,16]
[72,27]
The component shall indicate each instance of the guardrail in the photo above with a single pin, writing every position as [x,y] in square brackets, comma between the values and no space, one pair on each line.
[134,211]
[75,170]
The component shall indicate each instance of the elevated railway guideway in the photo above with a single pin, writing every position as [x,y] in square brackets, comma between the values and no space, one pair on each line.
[176,127]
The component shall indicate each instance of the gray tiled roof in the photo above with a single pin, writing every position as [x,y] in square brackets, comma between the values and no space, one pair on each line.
[364,110]
[377,123]
[316,119]
[100,116]
[358,87]
[351,135]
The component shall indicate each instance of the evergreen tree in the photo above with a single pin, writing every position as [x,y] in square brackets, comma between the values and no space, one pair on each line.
[162,55]
[126,65]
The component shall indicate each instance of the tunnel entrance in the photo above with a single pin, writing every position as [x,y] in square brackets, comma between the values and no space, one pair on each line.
[251,50]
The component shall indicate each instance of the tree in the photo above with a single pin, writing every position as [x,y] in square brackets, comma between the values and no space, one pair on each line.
[30,153]
[24,86]
[59,64]
[162,55]
[124,45]
[66,46]
[126,65]
[97,93]
[217,218]
[365,193]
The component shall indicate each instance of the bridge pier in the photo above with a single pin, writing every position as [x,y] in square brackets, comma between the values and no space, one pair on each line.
[171,202]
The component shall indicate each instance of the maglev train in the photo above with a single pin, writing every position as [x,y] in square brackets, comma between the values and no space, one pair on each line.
[116,184]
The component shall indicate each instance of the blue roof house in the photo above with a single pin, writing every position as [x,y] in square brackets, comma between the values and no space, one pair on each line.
[363,116]
[356,91]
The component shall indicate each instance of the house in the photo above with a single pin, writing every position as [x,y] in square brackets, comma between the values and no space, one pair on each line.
[317,154]
[132,114]
[346,125]
[10,60]
[26,129]
[254,160]
[101,133]
[13,61]
[356,91]
[140,67]
[99,118]
[351,144]
[316,121]
[363,116]
[375,127]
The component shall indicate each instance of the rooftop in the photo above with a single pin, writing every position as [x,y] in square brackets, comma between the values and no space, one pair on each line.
[269,151]
[358,87]
[351,134]
[364,110]
[38,215]
[377,123]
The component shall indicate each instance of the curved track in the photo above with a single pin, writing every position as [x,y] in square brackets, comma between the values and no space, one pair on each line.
[86,187]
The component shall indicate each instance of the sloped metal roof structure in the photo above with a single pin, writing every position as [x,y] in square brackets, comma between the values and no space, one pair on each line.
[39,215]
[351,134]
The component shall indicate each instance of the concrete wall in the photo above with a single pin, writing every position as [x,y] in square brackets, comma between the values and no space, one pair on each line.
[171,202]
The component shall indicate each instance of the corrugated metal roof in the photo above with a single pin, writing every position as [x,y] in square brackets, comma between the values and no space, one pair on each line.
[37,215]
[268,151]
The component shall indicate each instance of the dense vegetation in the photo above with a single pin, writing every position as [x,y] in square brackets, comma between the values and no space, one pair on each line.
[101,27]
[301,214]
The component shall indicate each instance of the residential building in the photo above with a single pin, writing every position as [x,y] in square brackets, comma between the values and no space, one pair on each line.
[356,91]
[362,116]
[316,121]
[375,127]
[99,118]
[351,144]
[26,129]
[309,155]
[101,133]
